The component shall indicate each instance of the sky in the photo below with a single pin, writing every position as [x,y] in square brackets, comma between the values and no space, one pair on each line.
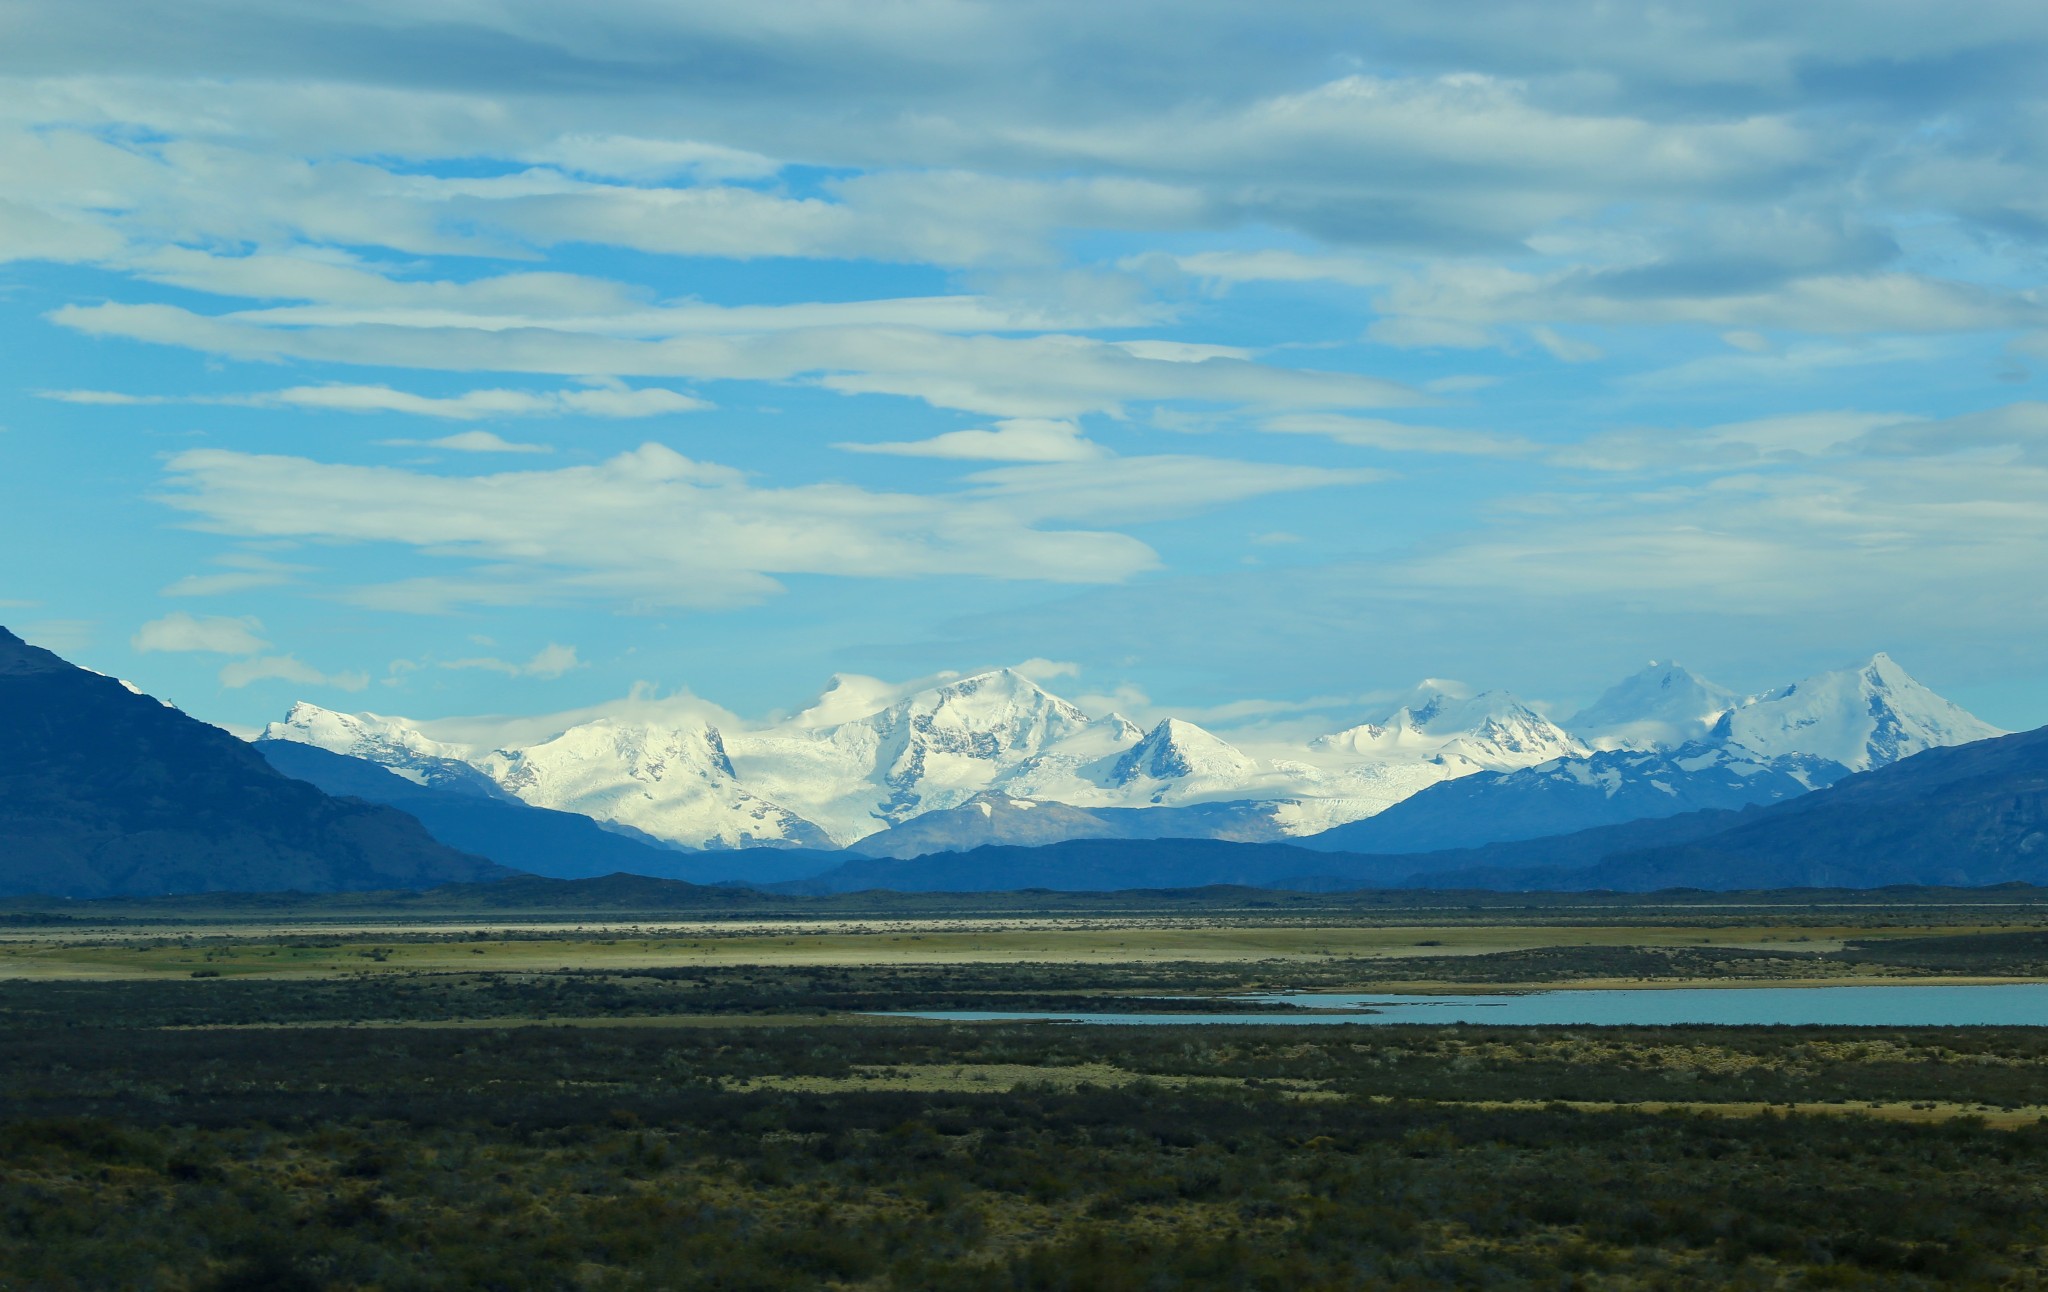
[499,356]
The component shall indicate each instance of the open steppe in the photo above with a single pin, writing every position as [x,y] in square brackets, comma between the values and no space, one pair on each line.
[1333,947]
[202,1100]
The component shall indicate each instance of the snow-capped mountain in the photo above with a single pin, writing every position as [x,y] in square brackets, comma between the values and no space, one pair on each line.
[1570,794]
[867,756]
[390,742]
[1860,717]
[672,783]
[1661,707]
[936,748]
[1445,720]
[1178,759]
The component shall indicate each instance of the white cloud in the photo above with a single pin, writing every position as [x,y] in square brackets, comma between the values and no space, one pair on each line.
[1397,437]
[212,634]
[1730,445]
[1805,514]
[471,442]
[629,158]
[1564,348]
[1050,376]
[1796,363]
[216,585]
[1181,351]
[551,661]
[27,233]
[287,668]
[702,534]
[60,635]
[1272,265]
[1130,490]
[473,405]
[248,572]
[1447,302]
[1410,332]
[1018,439]
[1046,671]
[1126,698]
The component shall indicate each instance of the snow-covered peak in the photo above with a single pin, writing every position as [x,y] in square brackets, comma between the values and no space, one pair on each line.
[644,752]
[394,742]
[1119,728]
[1660,707]
[1860,717]
[1181,751]
[1491,728]
[673,782]
[994,716]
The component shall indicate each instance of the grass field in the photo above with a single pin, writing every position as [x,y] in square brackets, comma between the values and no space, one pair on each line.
[1780,948]
[634,1102]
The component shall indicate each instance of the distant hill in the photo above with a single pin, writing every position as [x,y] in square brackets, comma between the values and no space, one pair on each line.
[1571,794]
[994,817]
[107,792]
[1101,865]
[1964,816]
[483,820]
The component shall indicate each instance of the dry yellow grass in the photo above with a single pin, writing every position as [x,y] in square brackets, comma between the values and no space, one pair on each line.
[330,952]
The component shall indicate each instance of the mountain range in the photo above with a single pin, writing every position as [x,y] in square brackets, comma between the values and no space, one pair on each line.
[995,758]
[1857,777]
[478,817]
[1964,816]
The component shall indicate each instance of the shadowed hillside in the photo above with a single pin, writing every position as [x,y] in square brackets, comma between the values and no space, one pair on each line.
[107,792]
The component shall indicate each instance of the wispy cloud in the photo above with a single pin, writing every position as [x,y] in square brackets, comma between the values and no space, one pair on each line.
[471,442]
[1397,437]
[551,661]
[704,534]
[474,405]
[210,634]
[1051,376]
[1020,439]
[287,668]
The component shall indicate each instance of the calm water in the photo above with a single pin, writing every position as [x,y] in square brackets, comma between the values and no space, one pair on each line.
[2010,1005]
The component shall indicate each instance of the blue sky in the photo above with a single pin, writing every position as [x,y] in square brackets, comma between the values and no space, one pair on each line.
[461,357]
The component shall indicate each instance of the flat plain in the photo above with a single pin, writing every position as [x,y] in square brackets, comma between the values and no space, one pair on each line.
[199,1100]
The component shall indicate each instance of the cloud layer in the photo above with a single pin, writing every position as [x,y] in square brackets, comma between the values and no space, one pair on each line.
[1432,319]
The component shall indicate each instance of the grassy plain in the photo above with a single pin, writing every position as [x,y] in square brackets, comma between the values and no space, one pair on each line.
[1777,942]
[666,1100]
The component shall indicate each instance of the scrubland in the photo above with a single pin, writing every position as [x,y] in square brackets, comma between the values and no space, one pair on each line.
[518,1107]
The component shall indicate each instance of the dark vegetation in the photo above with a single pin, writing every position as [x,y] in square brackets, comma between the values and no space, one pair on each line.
[537,1157]
[395,1130]
[612,896]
